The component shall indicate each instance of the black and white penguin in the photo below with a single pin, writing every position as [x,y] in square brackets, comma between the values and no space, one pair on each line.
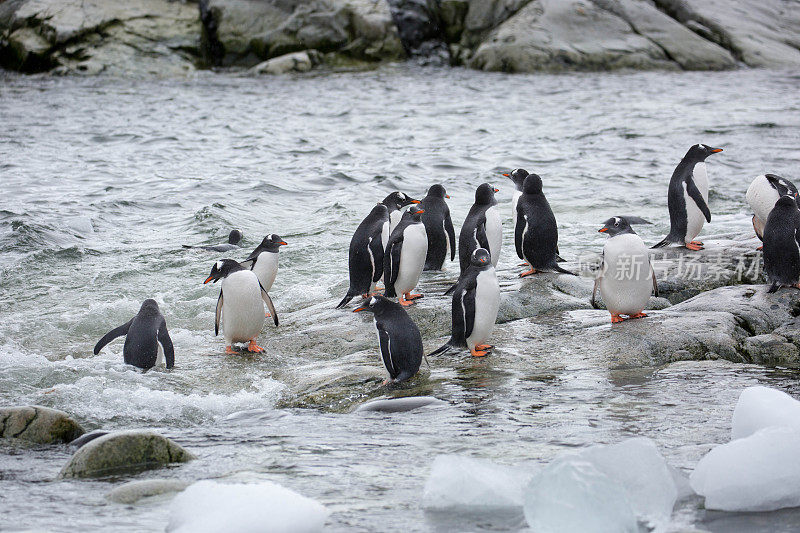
[439,226]
[147,341]
[365,258]
[688,198]
[518,176]
[626,278]
[481,228]
[395,202]
[264,260]
[240,304]
[234,238]
[782,244]
[404,257]
[536,231]
[398,336]
[762,194]
[476,299]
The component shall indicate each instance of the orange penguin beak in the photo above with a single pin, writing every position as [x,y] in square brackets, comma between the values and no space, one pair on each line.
[415,201]
[210,278]
[420,210]
[716,150]
[507,175]
[283,243]
[359,309]
[497,190]
[447,196]
[602,230]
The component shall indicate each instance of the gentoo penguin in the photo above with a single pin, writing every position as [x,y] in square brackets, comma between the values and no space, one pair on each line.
[762,194]
[239,304]
[404,257]
[365,259]
[234,238]
[626,278]
[147,341]
[395,203]
[398,336]
[476,300]
[264,260]
[688,198]
[518,176]
[782,244]
[439,226]
[536,231]
[481,228]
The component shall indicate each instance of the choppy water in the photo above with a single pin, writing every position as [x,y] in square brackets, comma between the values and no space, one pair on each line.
[103,180]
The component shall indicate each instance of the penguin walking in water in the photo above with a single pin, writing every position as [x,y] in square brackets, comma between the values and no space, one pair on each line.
[536,231]
[626,278]
[404,257]
[762,194]
[395,202]
[398,336]
[518,176]
[782,244]
[365,258]
[147,341]
[234,238]
[476,300]
[439,227]
[264,261]
[687,198]
[481,228]
[239,305]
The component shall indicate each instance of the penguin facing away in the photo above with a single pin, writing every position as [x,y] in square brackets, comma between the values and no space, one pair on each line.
[234,238]
[398,336]
[239,305]
[365,257]
[439,227]
[147,341]
[395,202]
[687,198]
[476,300]
[626,278]
[782,244]
[481,228]
[762,194]
[404,257]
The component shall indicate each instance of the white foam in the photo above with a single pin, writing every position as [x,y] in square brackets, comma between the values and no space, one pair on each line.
[760,407]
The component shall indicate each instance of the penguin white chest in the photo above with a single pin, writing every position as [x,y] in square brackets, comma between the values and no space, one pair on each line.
[385,232]
[487,303]
[762,197]
[494,233]
[412,258]
[242,307]
[266,267]
[695,219]
[394,219]
[627,277]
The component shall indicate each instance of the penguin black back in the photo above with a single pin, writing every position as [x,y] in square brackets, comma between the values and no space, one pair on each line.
[365,257]
[143,334]
[439,227]
[782,244]
[473,231]
[234,238]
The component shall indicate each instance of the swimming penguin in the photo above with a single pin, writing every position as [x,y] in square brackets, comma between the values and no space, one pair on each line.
[404,257]
[365,258]
[239,304]
[147,341]
[762,194]
[399,338]
[536,231]
[688,198]
[782,244]
[518,176]
[481,228]
[264,260]
[626,278]
[234,238]
[395,202]
[476,300]
[439,227]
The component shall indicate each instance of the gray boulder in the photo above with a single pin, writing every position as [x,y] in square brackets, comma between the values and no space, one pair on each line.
[124,451]
[133,491]
[40,425]
[294,62]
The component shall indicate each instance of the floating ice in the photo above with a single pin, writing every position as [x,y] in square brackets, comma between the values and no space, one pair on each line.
[756,473]
[760,407]
[210,507]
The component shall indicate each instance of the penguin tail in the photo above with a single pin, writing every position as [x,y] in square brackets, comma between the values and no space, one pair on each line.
[451,289]
[187,246]
[563,270]
[442,349]
[774,287]
[665,242]
[560,259]
[345,300]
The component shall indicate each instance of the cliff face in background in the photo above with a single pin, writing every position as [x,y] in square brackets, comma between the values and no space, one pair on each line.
[169,38]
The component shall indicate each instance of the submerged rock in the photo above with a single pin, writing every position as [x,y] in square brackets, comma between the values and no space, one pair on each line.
[40,425]
[133,491]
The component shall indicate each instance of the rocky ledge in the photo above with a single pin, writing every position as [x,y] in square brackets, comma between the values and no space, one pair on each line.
[40,425]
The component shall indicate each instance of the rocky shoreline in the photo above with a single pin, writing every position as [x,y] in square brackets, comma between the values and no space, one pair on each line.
[174,38]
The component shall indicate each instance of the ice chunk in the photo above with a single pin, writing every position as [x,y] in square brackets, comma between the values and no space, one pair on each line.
[756,473]
[572,495]
[458,481]
[760,407]
[681,483]
[210,507]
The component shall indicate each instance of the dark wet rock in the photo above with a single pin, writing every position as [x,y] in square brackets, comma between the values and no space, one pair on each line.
[399,405]
[124,451]
[40,425]
[420,29]
[88,437]
[295,62]
[133,491]
[770,348]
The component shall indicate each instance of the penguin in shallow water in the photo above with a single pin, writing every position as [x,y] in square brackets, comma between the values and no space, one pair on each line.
[404,257]
[481,228]
[398,336]
[626,278]
[395,202]
[239,305]
[264,260]
[234,238]
[687,198]
[536,231]
[762,194]
[147,341]
[439,227]
[518,176]
[365,258]
[782,244]
[476,300]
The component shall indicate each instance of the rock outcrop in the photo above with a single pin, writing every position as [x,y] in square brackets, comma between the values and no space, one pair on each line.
[40,425]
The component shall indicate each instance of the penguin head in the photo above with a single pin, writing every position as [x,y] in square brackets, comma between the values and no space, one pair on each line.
[484,195]
[700,151]
[272,243]
[518,176]
[621,224]
[533,184]
[234,237]
[786,201]
[480,258]
[415,213]
[149,307]
[376,305]
[398,200]
[437,191]
[222,269]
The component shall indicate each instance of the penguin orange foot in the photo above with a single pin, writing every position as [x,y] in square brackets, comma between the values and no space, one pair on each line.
[694,246]
[615,319]
[528,273]
[484,346]
[479,353]
[410,296]
[229,350]
[760,248]
[698,243]
[253,347]
[404,302]
[637,315]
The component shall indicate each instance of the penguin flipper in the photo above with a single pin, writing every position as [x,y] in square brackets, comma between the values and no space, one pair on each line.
[451,289]
[376,249]
[593,301]
[386,353]
[519,230]
[166,344]
[480,234]
[113,334]
[468,305]
[218,313]
[394,260]
[451,234]
[694,194]
[270,305]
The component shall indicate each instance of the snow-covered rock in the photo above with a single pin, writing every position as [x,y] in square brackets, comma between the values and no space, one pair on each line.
[761,407]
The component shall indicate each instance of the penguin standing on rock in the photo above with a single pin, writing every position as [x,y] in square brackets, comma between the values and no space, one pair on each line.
[395,202]
[439,227]
[234,238]
[404,257]
[762,194]
[626,278]
[536,231]
[688,198]
[518,176]
[481,228]
[365,259]
[398,336]
[782,244]
[147,341]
